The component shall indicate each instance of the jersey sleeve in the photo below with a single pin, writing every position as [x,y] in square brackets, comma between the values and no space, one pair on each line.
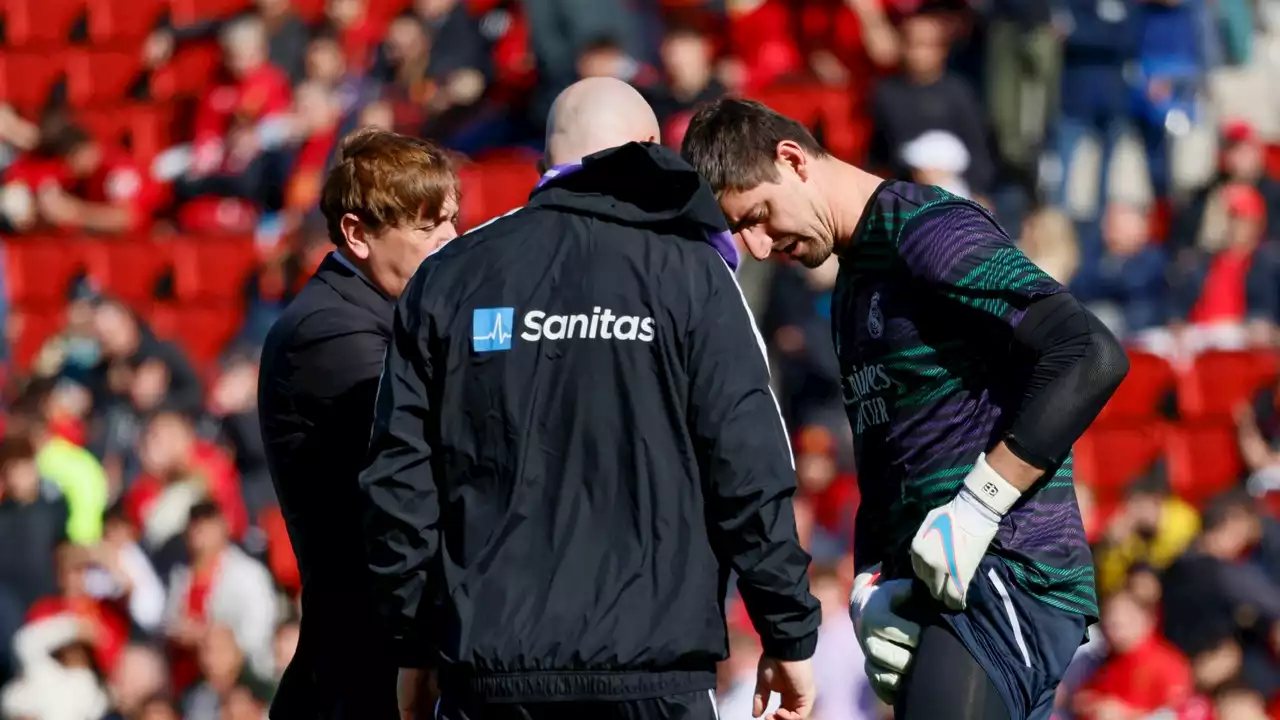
[959,249]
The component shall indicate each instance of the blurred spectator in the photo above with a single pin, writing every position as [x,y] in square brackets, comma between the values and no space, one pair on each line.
[1152,528]
[687,63]
[848,41]
[140,675]
[234,403]
[1258,428]
[1142,673]
[559,30]
[927,97]
[287,33]
[1221,295]
[834,493]
[938,158]
[223,671]
[797,321]
[761,43]
[221,586]
[285,647]
[58,681]
[1126,285]
[107,627]
[78,184]
[74,470]
[842,695]
[1100,41]
[33,522]
[121,573]
[1212,596]
[1176,51]
[159,708]
[1048,239]
[1201,221]
[1023,66]
[179,473]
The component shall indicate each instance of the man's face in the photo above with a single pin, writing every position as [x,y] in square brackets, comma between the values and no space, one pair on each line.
[397,251]
[1244,160]
[779,217]
[926,46]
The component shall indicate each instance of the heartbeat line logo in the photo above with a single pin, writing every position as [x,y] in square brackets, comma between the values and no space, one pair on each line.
[491,329]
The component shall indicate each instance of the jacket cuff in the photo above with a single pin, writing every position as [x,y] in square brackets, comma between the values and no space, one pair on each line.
[790,649]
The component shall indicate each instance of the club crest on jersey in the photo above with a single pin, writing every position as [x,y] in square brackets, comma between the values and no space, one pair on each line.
[875,318]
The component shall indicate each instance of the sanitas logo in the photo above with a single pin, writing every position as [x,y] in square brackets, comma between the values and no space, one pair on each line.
[600,324]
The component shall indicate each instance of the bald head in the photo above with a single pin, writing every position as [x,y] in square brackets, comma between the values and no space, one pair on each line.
[596,114]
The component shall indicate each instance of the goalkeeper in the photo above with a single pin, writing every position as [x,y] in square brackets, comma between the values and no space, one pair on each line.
[967,374]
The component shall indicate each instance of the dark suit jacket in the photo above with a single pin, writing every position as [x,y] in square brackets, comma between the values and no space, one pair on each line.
[316,389]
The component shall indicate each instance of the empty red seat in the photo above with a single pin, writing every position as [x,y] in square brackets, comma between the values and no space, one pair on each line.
[1204,459]
[130,269]
[27,78]
[504,184]
[42,22]
[1109,457]
[40,270]
[1220,380]
[109,124]
[1149,380]
[205,330]
[123,21]
[189,73]
[188,12]
[213,268]
[101,76]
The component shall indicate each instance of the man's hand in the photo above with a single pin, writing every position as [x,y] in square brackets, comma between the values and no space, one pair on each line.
[415,693]
[793,680]
[887,639]
[953,538]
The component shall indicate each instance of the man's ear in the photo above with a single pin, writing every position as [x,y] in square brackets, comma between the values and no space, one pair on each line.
[355,235]
[793,156]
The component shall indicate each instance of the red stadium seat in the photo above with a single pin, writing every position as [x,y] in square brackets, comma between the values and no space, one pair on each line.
[123,21]
[189,12]
[40,270]
[1204,459]
[1109,457]
[101,76]
[42,22]
[202,329]
[33,325]
[188,73]
[108,124]
[1150,378]
[504,184]
[1273,161]
[130,269]
[213,268]
[1220,380]
[27,78]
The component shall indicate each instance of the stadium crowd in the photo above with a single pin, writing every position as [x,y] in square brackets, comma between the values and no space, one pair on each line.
[145,572]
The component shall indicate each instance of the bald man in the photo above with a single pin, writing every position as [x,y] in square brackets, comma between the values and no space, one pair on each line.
[575,445]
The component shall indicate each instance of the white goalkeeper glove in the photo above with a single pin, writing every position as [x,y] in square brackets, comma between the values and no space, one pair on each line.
[954,537]
[888,640]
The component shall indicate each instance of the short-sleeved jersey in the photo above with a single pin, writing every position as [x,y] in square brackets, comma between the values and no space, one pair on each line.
[924,311]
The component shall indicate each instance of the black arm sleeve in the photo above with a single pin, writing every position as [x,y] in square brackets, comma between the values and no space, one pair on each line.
[1078,366]
[402,502]
[747,471]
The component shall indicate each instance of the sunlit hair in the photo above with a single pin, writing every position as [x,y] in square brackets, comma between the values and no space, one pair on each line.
[733,143]
[387,180]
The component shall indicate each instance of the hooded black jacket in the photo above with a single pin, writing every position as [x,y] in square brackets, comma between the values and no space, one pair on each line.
[575,444]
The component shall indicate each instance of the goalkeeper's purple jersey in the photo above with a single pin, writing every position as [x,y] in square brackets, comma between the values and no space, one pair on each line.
[923,316]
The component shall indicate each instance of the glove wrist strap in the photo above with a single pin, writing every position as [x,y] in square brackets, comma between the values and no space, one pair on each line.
[988,488]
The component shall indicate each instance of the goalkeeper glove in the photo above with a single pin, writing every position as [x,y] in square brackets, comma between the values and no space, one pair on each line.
[954,537]
[888,640]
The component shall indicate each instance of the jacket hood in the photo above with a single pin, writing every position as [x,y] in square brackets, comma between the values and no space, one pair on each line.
[640,184]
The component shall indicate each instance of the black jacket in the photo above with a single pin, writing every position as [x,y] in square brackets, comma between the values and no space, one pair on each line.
[316,387]
[575,444]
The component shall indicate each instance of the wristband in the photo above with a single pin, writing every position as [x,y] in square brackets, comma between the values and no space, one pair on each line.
[987,487]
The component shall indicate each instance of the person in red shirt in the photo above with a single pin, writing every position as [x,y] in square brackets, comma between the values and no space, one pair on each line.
[110,629]
[179,472]
[78,184]
[1142,674]
[761,37]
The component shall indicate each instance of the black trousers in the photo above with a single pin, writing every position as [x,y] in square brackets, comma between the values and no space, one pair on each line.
[946,682]
[690,706]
